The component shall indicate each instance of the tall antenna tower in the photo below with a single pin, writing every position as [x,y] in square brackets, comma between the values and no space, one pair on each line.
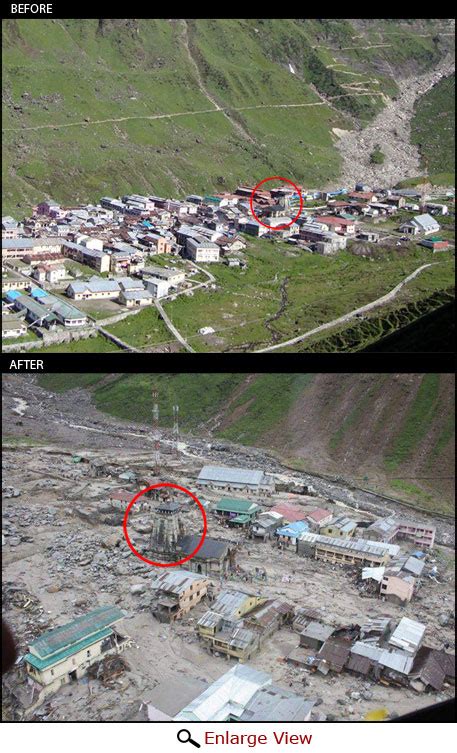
[155,430]
[176,429]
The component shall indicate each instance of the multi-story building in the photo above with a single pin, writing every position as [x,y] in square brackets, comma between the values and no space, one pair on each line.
[176,593]
[63,655]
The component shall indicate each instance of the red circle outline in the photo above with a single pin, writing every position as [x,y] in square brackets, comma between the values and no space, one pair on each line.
[165,564]
[278,227]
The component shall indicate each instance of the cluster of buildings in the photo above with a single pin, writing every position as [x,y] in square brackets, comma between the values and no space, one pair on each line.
[117,238]
[381,650]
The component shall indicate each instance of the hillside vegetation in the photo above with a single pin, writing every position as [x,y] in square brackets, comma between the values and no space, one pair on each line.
[94,107]
[392,433]
[433,128]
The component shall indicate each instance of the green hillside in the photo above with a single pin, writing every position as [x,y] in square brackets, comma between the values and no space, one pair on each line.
[433,128]
[158,82]
[395,433]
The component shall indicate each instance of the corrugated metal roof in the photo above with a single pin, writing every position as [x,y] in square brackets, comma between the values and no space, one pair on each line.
[231,475]
[228,696]
[228,602]
[275,704]
[317,631]
[396,660]
[80,628]
[227,504]
[293,530]
[177,581]
[407,635]
[289,512]
[413,565]
[210,619]
[41,664]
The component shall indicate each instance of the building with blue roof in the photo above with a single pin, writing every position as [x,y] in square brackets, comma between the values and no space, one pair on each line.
[13,295]
[38,293]
[289,534]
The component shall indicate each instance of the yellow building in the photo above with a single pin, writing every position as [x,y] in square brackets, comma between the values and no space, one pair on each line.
[340,526]
[177,593]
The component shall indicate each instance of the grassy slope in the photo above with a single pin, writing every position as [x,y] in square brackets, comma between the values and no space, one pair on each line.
[331,286]
[433,128]
[416,423]
[77,69]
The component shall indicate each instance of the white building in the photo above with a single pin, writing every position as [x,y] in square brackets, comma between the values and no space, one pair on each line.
[202,251]
[158,288]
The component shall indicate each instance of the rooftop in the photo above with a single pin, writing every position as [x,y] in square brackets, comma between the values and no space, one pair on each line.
[53,641]
[231,475]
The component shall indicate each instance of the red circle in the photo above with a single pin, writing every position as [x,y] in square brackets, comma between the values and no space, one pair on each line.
[165,564]
[278,227]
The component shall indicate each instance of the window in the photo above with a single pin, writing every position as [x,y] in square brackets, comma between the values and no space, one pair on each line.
[88,653]
[52,672]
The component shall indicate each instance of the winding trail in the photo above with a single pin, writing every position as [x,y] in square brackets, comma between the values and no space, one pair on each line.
[352,314]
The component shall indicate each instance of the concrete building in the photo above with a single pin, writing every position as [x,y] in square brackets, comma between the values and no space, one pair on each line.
[318,518]
[96,288]
[339,526]
[157,287]
[13,327]
[239,512]
[19,247]
[202,251]
[172,276]
[392,529]
[343,551]
[176,593]
[288,535]
[91,257]
[139,297]
[232,478]
[266,524]
[62,655]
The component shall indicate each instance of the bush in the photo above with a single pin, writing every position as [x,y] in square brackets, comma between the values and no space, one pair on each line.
[377,157]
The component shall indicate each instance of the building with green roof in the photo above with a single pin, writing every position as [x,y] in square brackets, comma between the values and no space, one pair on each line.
[63,654]
[238,511]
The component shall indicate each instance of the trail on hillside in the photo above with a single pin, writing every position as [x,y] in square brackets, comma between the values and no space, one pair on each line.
[89,122]
[352,314]
[391,129]
[184,37]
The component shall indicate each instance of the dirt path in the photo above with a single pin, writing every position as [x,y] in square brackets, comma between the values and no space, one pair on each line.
[167,321]
[352,314]
[186,113]
[392,130]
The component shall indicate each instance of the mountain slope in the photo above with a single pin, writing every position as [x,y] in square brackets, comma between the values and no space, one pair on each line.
[391,432]
[93,107]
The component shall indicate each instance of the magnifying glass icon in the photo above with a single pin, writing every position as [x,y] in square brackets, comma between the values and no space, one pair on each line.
[184,737]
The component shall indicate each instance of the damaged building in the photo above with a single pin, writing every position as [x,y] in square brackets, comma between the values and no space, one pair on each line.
[63,655]
[176,593]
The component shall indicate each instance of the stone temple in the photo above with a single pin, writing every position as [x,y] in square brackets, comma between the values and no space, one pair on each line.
[167,528]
